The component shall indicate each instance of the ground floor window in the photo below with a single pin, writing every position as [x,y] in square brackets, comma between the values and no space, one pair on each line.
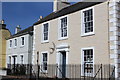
[44,61]
[9,59]
[21,59]
[87,60]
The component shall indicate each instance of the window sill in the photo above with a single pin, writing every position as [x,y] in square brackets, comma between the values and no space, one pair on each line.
[10,48]
[44,41]
[22,46]
[87,34]
[62,38]
[15,47]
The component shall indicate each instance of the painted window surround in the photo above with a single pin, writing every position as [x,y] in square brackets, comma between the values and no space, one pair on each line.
[21,41]
[15,43]
[23,58]
[42,35]
[10,43]
[16,58]
[41,60]
[59,26]
[82,58]
[9,59]
[82,27]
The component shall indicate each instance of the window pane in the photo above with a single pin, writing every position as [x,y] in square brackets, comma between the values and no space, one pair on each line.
[88,21]
[22,40]
[10,43]
[44,61]
[63,27]
[45,33]
[88,60]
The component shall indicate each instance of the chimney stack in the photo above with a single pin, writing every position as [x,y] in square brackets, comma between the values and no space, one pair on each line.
[2,21]
[2,24]
[17,29]
[59,4]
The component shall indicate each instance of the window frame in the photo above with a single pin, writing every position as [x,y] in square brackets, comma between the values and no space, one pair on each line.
[44,52]
[82,60]
[15,42]
[82,22]
[21,41]
[9,59]
[10,43]
[59,27]
[21,61]
[42,28]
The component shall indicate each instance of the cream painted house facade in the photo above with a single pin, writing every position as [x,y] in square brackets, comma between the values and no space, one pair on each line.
[69,35]
[4,34]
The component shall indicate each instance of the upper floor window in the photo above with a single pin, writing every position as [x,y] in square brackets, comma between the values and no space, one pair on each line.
[45,31]
[87,22]
[63,28]
[15,42]
[10,43]
[23,40]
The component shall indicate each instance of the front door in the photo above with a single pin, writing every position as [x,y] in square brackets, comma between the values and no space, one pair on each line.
[14,64]
[62,64]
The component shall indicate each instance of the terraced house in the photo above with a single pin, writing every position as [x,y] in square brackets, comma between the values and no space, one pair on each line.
[85,33]
[4,34]
[19,48]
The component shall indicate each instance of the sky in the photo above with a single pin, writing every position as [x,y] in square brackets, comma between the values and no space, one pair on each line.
[24,14]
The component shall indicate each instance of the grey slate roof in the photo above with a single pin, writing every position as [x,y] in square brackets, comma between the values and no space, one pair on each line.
[28,30]
[67,10]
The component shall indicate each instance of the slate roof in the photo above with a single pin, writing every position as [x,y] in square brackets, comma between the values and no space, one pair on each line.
[67,10]
[28,30]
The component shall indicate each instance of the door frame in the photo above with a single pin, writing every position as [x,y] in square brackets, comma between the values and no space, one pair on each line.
[60,49]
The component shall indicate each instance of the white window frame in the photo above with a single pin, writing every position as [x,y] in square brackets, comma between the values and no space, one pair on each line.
[21,40]
[41,63]
[10,44]
[59,27]
[82,23]
[82,60]
[9,59]
[16,58]
[15,42]
[21,60]
[42,28]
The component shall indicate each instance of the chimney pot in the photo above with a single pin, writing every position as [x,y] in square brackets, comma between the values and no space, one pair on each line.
[17,29]
[2,21]
[41,17]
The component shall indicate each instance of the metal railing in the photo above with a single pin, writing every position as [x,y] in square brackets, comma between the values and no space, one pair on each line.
[112,75]
[100,69]
[71,71]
